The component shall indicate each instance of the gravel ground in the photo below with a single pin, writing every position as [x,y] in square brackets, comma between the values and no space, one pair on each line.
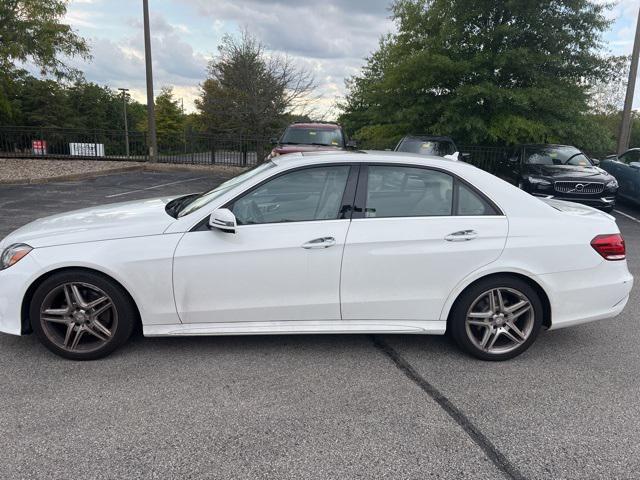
[19,170]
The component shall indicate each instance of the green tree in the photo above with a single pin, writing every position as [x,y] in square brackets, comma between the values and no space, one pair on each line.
[40,103]
[32,31]
[170,121]
[252,93]
[169,116]
[483,71]
[37,102]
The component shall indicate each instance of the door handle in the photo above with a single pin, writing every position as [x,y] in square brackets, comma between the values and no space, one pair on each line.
[323,242]
[461,236]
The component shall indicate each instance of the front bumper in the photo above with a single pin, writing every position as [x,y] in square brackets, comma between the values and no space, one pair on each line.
[14,283]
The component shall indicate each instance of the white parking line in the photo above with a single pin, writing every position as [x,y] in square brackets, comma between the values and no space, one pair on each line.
[155,186]
[627,215]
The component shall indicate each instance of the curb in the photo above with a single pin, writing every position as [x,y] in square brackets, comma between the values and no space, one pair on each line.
[134,168]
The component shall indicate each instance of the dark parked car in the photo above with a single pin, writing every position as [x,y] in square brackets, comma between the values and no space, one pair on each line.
[310,137]
[626,169]
[559,171]
[429,145]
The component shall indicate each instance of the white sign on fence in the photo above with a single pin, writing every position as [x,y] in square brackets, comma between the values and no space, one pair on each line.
[87,149]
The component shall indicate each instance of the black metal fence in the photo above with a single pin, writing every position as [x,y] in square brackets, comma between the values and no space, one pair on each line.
[485,158]
[183,148]
[202,149]
[186,148]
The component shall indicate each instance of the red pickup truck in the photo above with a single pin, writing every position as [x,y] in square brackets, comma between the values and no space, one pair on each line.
[309,137]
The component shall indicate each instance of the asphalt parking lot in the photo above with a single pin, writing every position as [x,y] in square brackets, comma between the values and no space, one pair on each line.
[315,406]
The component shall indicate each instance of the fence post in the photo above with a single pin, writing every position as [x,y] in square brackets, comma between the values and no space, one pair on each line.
[244,152]
[43,143]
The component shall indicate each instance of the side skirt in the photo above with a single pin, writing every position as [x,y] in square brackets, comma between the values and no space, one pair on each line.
[297,327]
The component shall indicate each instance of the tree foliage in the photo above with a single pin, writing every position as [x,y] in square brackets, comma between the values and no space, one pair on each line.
[32,31]
[250,92]
[46,103]
[483,71]
[170,121]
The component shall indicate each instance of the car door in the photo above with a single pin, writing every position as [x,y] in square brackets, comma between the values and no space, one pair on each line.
[421,232]
[627,176]
[283,262]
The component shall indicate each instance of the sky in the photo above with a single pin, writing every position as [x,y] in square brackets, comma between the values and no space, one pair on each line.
[331,38]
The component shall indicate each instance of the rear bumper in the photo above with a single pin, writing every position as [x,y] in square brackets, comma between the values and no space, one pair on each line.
[581,297]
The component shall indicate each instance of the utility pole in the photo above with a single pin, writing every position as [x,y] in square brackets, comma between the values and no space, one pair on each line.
[151,114]
[126,123]
[625,126]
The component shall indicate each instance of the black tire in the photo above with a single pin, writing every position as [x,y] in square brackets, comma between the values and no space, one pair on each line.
[461,332]
[121,315]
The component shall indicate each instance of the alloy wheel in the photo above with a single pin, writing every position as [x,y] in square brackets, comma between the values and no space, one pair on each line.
[500,320]
[78,317]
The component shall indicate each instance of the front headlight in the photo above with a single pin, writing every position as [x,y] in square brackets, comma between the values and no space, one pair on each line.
[613,183]
[538,181]
[13,254]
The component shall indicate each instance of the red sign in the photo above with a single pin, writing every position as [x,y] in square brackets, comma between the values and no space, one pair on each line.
[39,147]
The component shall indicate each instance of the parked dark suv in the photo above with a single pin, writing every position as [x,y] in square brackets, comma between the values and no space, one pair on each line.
[559,171]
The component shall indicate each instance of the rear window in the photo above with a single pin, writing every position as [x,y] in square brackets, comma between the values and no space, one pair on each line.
[331,137]
[439,148]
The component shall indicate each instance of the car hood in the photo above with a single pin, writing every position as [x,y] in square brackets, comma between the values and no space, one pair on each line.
[568,172]
[108,222]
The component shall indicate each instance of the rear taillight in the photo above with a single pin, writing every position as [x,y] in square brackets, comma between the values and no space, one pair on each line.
[611,247]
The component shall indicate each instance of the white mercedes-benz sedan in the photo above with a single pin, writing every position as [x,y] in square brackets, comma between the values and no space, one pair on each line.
[364,242]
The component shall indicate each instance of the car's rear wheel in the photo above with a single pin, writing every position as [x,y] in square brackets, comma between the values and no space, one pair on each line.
[497,318]
[81,315]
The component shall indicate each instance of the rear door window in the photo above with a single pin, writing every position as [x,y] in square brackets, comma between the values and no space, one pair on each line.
[408,192]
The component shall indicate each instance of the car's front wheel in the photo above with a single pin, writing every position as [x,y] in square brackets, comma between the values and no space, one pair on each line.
[81,315]
[497,318]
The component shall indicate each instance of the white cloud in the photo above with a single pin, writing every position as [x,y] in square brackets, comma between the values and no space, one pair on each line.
[121,62]
[330,38]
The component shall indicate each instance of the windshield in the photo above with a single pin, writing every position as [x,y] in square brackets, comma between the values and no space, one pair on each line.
[556,156]
[439,148]
[203,199]
[331,137]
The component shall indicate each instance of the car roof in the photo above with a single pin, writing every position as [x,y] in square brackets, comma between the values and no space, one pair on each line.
[361,156]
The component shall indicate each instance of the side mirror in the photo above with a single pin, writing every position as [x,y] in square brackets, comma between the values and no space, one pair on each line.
[274,141]
[352,144]
[224,220]
[465,157]
[596,162]
[635,165]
